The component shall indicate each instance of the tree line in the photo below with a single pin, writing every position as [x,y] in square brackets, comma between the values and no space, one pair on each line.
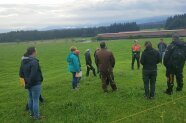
[176,22]
[16,36]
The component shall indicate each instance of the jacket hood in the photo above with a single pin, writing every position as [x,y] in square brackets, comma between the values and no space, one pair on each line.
[69,58]
[150,50]
[178,43]
[26,60]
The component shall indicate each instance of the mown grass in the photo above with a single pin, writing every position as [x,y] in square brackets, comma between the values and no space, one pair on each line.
[89,104]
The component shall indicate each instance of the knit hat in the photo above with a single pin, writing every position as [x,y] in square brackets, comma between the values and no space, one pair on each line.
[77,52]
[87,50]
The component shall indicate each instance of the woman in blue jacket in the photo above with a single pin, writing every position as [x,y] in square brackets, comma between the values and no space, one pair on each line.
[73,66]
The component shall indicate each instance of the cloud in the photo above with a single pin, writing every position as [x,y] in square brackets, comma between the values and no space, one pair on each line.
[25,14]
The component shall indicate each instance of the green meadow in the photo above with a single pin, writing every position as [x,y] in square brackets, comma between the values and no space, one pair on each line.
[89,104]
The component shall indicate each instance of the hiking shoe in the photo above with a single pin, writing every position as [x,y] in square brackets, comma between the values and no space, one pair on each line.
[168,92]
[152,98]
[39,118]
[178,89]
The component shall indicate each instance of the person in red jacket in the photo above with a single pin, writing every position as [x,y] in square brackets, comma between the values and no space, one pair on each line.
[136,54]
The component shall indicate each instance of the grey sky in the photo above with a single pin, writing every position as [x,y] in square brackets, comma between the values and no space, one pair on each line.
[34,14]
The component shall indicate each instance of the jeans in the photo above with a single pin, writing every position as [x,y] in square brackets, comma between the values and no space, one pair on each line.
[41,99]
[33,103]
[74,80]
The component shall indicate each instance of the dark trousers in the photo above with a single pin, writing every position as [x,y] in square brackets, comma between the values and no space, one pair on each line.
[107,78]
[170,73]
[149,79]
[137,58]
[90,67]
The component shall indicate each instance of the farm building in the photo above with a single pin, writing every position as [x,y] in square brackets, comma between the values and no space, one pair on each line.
[161,33]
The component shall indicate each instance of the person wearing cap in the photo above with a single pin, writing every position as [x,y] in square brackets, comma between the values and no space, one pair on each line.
[174,61]
[149,59]
[136,54]
[73,65]
[106,62]
[162,47]
[89,63]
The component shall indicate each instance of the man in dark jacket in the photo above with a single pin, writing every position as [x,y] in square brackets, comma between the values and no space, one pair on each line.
[162,47]
[106,62]
[30,71]
[174,61]
[89,63]
[149,59]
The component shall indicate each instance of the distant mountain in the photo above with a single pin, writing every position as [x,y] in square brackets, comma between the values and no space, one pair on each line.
[150,20]
[154,21]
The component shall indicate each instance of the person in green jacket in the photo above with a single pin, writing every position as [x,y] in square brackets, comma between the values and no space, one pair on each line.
[73,66]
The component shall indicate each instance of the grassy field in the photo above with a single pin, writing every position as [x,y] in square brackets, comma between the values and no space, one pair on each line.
[89,104]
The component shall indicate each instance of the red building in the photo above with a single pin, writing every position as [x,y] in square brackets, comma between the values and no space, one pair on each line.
[161,33]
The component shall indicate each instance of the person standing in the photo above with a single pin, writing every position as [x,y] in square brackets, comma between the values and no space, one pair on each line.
[89,63]
[149,59]
[162,47]
[174,61]
[30,71]
[136,54]
[73,66]
[106,62]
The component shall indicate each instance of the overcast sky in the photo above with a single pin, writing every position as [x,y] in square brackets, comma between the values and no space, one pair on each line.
[35,14]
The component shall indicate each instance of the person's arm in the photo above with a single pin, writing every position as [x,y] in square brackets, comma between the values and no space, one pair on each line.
[142,60]
[68,59]
[21,71]
[158,57]
[86,58]
[112,60]
[76,63]
[165,45]
[167,55]
[34,69]
[96,60]
[89,59]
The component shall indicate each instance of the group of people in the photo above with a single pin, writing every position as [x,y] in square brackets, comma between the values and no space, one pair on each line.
[173,57]
[136,49]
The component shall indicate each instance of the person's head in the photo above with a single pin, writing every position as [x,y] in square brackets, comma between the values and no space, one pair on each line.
[72,49]
[161,40]
[88,50]
[77,52]
[102,45]
[175,37]
[135,42]
[148,44]
[31,51]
